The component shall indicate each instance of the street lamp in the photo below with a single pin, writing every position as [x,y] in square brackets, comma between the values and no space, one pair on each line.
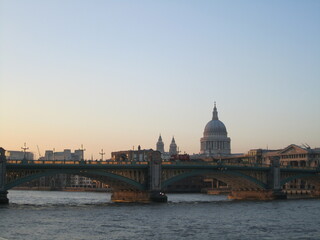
[24,151]
[102,153]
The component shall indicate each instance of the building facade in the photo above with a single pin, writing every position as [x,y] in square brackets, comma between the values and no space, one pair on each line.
[140,155]
[19,155]
[295,156]
[77,155]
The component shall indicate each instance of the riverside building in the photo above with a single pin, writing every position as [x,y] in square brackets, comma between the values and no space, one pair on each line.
[19,155]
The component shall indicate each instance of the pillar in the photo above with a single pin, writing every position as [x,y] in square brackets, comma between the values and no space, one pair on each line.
[155,178]
[3,193]
[153,190]
[274,179]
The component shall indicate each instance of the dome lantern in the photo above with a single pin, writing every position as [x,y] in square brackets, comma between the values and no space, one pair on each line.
[215,113]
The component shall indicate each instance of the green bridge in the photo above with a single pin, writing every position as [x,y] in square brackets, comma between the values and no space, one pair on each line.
[145,181]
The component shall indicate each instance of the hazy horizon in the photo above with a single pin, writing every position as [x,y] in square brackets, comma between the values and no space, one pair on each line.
[115,74]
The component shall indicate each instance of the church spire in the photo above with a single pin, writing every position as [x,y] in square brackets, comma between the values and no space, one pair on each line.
[215,112]
[173,147]
[160,145]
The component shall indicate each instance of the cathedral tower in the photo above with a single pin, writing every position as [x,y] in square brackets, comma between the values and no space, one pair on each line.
[173,147]
[160,145]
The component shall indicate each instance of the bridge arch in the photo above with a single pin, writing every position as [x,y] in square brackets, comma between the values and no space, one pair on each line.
[306,176]
[224,176]
[91,174]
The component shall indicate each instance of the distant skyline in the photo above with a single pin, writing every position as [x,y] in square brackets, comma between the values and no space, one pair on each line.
[115,74]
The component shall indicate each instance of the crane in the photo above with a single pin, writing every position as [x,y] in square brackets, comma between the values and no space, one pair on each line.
[39,152]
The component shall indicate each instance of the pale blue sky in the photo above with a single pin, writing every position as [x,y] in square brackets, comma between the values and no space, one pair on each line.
[115,74]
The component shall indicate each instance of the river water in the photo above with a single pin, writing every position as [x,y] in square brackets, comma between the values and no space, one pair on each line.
[87,215]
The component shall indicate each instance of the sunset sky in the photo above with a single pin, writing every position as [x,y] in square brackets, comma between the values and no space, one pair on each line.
[115,74]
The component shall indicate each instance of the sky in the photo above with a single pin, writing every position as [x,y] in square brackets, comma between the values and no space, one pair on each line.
[113,75]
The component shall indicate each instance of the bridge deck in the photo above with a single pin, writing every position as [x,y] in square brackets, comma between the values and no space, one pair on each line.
[66,164]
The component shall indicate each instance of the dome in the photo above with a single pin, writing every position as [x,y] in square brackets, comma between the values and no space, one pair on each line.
[215,141]
[215,127]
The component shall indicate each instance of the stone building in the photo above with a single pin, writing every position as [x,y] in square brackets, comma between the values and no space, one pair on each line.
[295,156]
[215,140]
[131,155]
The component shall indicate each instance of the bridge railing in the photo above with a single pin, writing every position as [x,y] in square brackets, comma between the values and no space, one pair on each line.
[238,164]
[90,162]
[215,163]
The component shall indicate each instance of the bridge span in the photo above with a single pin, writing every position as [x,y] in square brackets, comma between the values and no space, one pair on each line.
[145,181]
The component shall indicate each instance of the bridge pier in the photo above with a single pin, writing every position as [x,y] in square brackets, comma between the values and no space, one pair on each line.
[153,189]
[3,193]
[3,197]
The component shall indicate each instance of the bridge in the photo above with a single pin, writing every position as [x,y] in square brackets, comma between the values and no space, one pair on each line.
[145,181]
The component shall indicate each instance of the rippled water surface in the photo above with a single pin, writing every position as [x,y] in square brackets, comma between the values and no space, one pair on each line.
[78,215]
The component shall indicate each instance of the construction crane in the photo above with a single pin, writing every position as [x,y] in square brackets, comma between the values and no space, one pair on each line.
[39,152]
[306,145]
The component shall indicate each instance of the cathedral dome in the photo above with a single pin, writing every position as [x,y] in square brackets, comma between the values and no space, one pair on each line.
[215,127]
[215,139]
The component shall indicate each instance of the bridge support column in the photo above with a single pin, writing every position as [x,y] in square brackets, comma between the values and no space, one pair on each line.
[155,178]
[153,186]
[274,179]
[3,197]
[3,193]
